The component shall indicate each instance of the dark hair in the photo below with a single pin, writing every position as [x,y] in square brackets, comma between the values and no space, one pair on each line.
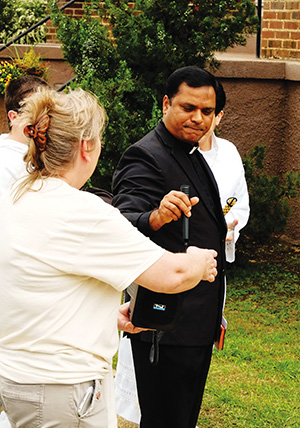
[17,89]
[193,76]
[220,98]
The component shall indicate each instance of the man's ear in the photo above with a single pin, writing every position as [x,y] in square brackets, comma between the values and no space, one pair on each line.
[85,149]
[166,104]
[12,115]
[219,117]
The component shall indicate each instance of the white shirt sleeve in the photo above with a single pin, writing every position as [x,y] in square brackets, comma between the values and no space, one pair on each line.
[227,167]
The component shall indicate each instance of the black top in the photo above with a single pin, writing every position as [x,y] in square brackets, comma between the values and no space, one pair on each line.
[147,171]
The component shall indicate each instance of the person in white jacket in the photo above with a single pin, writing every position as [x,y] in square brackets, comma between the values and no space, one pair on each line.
[13,145]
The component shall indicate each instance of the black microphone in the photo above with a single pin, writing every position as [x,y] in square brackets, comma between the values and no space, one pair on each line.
[185,188]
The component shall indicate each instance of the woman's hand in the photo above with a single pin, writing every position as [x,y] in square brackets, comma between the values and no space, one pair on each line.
[124,322]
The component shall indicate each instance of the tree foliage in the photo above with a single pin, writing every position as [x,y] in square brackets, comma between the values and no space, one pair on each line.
[19,15]
[125,51]
[6,14]
[157,37]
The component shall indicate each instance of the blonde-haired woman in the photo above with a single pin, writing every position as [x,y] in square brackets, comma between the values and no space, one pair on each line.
[65,257]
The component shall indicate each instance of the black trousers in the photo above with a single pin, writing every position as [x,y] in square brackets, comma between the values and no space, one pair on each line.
[170,393]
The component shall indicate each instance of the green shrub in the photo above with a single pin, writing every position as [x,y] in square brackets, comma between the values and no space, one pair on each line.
[269,198]
[156,38]
[19,15]
[7,9]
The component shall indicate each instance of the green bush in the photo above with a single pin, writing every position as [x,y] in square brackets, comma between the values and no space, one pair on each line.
[7,9]
[127,62]
[156,38]
[19,15]
[269,198]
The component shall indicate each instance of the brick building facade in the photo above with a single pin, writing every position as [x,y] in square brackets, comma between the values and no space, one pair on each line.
[280,35]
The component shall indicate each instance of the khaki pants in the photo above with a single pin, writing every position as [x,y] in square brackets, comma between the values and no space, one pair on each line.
[55,405]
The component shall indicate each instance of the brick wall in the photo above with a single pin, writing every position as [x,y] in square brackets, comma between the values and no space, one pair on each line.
[280,37]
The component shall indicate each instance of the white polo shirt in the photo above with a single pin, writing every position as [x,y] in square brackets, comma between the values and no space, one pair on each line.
[65,256]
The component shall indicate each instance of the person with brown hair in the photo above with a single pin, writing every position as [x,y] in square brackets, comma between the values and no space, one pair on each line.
[65,257]
[13,146]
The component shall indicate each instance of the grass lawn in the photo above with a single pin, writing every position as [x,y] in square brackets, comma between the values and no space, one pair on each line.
[255,381]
